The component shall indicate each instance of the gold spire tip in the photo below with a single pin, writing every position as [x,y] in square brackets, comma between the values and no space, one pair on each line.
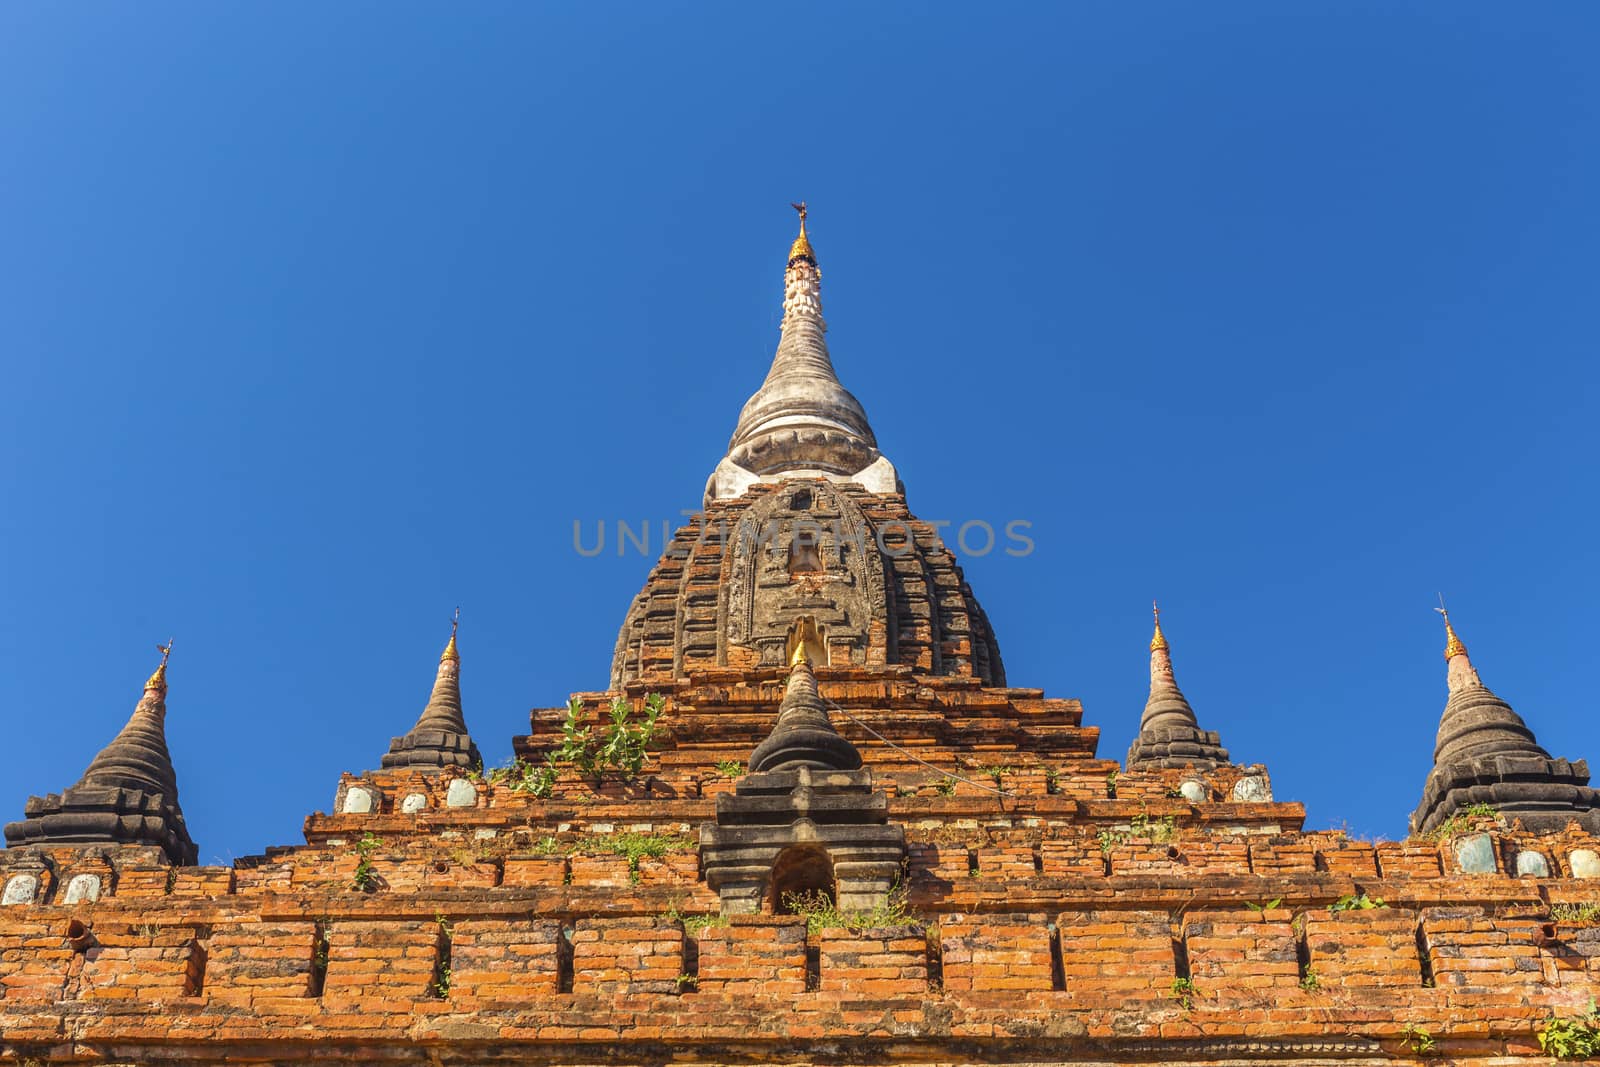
[801,249]
[158,680]
[450,651]
[1453,646]
[799,656]
[1158,642]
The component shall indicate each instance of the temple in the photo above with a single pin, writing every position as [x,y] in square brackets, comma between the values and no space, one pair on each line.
[811,820]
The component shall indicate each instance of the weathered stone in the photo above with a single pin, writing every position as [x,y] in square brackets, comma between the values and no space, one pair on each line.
[82,887]
[413,803]
[1584,863]
[358,800]
[461,794]
[1532,864]
[20,889]
[1251,789]
[1194,792]
[1475,854]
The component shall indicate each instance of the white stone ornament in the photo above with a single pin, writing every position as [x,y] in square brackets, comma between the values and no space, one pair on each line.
[413,803]
[1251,789]
[357,801]
[83,887]
[461,794]
[1583,863]
[20,889]
[1532,864]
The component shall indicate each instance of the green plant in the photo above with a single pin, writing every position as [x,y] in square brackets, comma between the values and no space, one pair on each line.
[620,748]
[440,987]
[535,779]
[997,773]
[1052,780]
[946,786]
[1357,902]
[546,846]
[687,980]
[577,741]
[729,768]
[1268,905]
[1461,822]
[694,925]
[1184,992]
[1110,839]
[1111,784]
[821,913]
[364,879]
[635,846]
[1310,982]
[1418,1040]
[1159,831]
[1571,1039]
[1576,914]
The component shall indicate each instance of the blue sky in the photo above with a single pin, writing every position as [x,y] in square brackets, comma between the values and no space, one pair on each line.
[319,320]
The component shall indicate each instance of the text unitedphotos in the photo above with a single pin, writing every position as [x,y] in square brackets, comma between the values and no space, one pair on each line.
[974,537]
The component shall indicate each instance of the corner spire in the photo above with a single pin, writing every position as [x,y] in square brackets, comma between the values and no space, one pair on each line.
[1169,733]
[128,795]
[803,735]
[1484,753]
[440,737]
[801,422]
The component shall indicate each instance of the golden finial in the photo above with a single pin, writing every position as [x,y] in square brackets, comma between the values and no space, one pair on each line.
[158,680]
[799,656]
[1158,643]
[1452,644]
[801,249]
[450,649]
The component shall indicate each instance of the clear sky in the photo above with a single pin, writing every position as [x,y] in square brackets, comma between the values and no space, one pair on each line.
[320,320]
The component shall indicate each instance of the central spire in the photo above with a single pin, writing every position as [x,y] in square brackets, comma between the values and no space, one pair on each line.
[801,422]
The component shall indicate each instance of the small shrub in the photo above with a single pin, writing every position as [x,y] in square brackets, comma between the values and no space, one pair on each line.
[1110,839]
[1419,1040]
[694,925]
[622,745]
[822,914]
[1357,902]
[1311,983]
[364,879]
[1111,784]
[1267,905]
[946,786]
[729,768]
[635,846]
[1184,992]
[1461,822]
[1571,1039]
[1576,914]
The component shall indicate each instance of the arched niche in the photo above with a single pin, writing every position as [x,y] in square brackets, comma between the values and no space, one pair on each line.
[800,871]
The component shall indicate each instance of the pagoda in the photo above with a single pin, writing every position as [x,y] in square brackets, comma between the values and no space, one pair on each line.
[810,820]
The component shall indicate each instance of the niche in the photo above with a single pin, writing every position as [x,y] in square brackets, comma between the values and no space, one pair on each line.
[801,872]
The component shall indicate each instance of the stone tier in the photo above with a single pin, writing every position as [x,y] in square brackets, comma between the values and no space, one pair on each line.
[883,588]
[548,957]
